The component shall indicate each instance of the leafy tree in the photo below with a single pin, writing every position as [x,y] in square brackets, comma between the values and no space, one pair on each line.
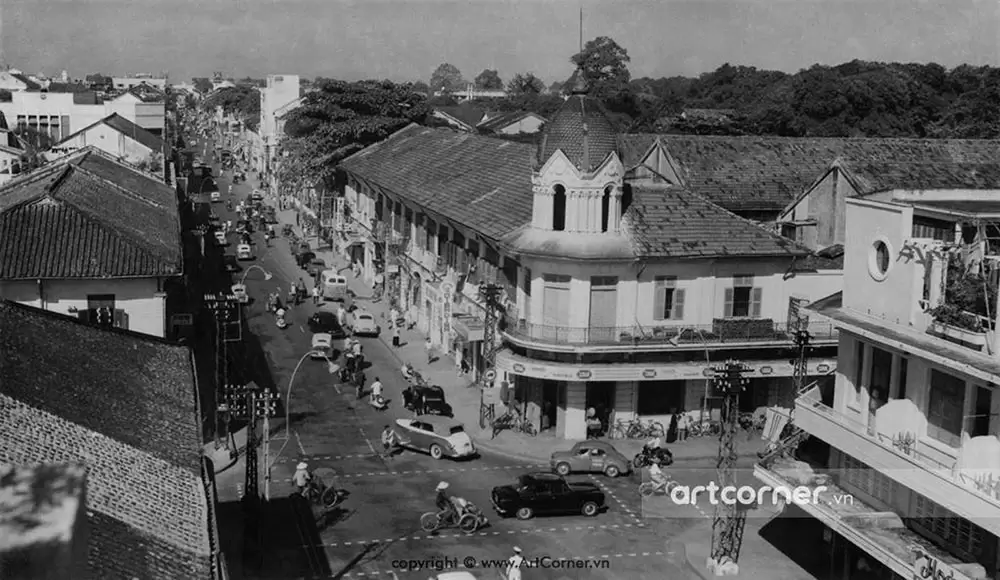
[35,144]
[6,96]
[420,87]
[339,119]
[489,80]
[202,84]
[525,84]
[447,78]
[241,101]
[544,105]
[556,88]
[98,79]
[605,66]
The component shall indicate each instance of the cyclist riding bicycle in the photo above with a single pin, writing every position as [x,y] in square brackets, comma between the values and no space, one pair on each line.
[444,503]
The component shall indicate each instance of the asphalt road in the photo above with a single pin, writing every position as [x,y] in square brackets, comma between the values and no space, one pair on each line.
[376,531]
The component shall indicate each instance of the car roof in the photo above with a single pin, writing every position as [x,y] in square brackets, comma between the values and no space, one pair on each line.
[362,314]
[438,420]
[319,261]
[325,314]
[596,444]
[542,476]
[462,575]
[321,337]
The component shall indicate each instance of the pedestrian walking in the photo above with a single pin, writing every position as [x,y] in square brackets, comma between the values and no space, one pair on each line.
[395,336]
[429,347]
[315,293]
[292,294]
[393,316]
[514,564]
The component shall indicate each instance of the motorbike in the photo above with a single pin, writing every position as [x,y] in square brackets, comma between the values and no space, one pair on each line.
[279,320]
[318,492]
[470,518]
[645,457]
[378,402]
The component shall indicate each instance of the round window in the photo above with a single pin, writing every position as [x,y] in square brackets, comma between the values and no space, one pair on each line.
[879,260]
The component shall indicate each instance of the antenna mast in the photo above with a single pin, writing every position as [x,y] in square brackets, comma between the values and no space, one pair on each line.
[581,27]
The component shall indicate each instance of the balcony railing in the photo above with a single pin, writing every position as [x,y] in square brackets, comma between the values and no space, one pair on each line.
[721,331]
[909,449]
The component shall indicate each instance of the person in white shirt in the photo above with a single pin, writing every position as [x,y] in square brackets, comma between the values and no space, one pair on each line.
[376,390]
[514,565]
[302,477]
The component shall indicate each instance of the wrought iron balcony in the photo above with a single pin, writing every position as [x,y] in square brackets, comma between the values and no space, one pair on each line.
[721,331]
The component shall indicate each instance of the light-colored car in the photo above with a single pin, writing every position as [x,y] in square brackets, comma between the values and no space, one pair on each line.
[591,457]
[364,323]
[322,346]
[240,292]
[244,252]
[220,238]
[440,436]
[459,575]
[215,196]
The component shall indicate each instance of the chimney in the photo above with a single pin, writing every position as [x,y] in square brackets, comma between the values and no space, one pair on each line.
[43,522]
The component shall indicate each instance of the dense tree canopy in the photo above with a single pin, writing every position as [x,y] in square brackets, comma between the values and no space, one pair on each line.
[447,78]
[526,83]
[338,119]
[488,80]
[202,85]
[241,101]
[605,66]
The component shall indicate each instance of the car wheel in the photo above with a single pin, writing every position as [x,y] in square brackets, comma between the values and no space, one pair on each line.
[611,471]
[525,513]
[436,451]
[563,469]
[589,509]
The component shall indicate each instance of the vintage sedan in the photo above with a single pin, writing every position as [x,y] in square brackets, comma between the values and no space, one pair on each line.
[315,266]
[547,494]
[327,322]
[322,346]
[439,436]
[220,238]
[364,323]
[591,457]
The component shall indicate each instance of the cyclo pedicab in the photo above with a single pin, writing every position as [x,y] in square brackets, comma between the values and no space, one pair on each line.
[319,493]
[467,517]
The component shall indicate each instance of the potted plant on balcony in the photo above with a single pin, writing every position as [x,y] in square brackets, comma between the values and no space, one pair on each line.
[952,322]
[967,295]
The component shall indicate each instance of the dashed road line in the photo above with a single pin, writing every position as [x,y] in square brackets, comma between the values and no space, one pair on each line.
[480,534]
[419,471]
[625,507]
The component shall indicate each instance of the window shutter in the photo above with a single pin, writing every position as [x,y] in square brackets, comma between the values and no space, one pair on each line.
[678,313]
[755,298]
[728,307]
[659,301]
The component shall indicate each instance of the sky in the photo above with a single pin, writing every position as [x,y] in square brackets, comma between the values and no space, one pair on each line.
[407,39]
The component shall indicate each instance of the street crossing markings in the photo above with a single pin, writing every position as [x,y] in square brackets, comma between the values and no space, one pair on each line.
[422,471]
[625,507]
[482,534]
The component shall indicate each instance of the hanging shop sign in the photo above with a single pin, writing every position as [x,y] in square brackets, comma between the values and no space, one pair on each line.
[928,567]
[823,368]
[518,365]
[447,294]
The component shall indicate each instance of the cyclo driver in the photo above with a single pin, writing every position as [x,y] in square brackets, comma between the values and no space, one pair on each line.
[656,474]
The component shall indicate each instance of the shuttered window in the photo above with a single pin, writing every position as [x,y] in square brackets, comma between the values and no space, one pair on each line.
[957,533]
[743,300]
[430,231]
[945,408]
[668,301]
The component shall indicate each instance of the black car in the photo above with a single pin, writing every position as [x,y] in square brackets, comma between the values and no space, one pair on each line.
[426,400]
[546,494]
[326,322]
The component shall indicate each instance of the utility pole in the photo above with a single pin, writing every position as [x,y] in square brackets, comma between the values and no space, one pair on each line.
[802,340]
[729,520]
[225,309]
[265,407]
[490,294]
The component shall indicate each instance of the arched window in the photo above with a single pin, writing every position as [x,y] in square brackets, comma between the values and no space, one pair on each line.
[559,209]
[605,209]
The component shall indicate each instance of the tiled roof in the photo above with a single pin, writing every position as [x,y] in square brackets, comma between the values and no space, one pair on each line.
[481,183]
[87,216]
[871,176]
[86,98]
[29,84]
[137,390]
[464,113]
[147,518]
[147,93]
[671,222]
[501,121]
[126,127]
[768,173]
[580,120]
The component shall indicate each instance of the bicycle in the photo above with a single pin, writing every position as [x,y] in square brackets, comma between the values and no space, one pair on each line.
[525,426]
[705,428]
[619,430]
[639,430]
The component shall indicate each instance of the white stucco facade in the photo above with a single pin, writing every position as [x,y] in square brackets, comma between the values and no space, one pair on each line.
[110,141]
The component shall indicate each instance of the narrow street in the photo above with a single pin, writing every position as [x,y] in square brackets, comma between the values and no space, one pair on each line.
[377,527]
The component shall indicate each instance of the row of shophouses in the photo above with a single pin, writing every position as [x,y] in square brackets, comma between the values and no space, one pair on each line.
[633,264]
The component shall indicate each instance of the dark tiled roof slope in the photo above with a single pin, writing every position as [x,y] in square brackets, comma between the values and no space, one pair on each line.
[132,388]
[147,93]
[874,176]
[147,518]
[467,114]
[497,123]
[481,183]
[86,216]
[768,173]
[579,118]
[29,84]
[670,222]
[126,127]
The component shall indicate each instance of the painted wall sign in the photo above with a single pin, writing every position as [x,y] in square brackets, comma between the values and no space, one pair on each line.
[583,374]
[823,368]
[766,370]
[648,374]
[518,368]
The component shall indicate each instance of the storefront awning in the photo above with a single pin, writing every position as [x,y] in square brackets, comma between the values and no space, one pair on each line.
[509,362]
[471,329]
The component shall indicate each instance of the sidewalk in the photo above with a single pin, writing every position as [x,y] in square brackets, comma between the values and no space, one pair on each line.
[464,396]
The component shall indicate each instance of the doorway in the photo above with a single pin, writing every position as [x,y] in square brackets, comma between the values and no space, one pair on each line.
[550,404]
[601,398]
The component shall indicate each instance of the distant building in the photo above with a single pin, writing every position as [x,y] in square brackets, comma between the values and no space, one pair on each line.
[127,82]
[15,81]
[128,223]
[277,98]
[465,117]
[471,93]
[143,105]
[116,136]
[515,123]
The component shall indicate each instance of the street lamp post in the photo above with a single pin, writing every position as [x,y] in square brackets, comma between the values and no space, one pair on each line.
[267,275]
[332,368]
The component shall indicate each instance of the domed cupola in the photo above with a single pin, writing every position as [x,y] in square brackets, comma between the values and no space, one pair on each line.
[580,129]
[577,178]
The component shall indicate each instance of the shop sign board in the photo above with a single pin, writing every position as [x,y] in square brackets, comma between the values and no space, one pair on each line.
[626,372]
[928,567]
[447,299]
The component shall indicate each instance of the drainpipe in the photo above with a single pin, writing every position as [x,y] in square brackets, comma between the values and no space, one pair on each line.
[41,294]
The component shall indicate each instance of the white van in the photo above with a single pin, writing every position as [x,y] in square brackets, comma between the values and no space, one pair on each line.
[334,286]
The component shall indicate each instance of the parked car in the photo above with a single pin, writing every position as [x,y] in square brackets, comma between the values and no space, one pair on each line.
[426,400]
[326,322]
[439,436]
[220,238]
[364,323]
[215,196]
[244,252]
[315,266]
[303,255]
[591,457]
[546,494]
[322,346]
[213,218]
[240,292]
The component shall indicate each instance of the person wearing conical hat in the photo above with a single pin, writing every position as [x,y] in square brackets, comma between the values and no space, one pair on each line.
[302,477]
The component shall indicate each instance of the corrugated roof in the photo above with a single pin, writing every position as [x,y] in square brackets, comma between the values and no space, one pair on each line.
[481,183]
[671,222]
[86,216]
